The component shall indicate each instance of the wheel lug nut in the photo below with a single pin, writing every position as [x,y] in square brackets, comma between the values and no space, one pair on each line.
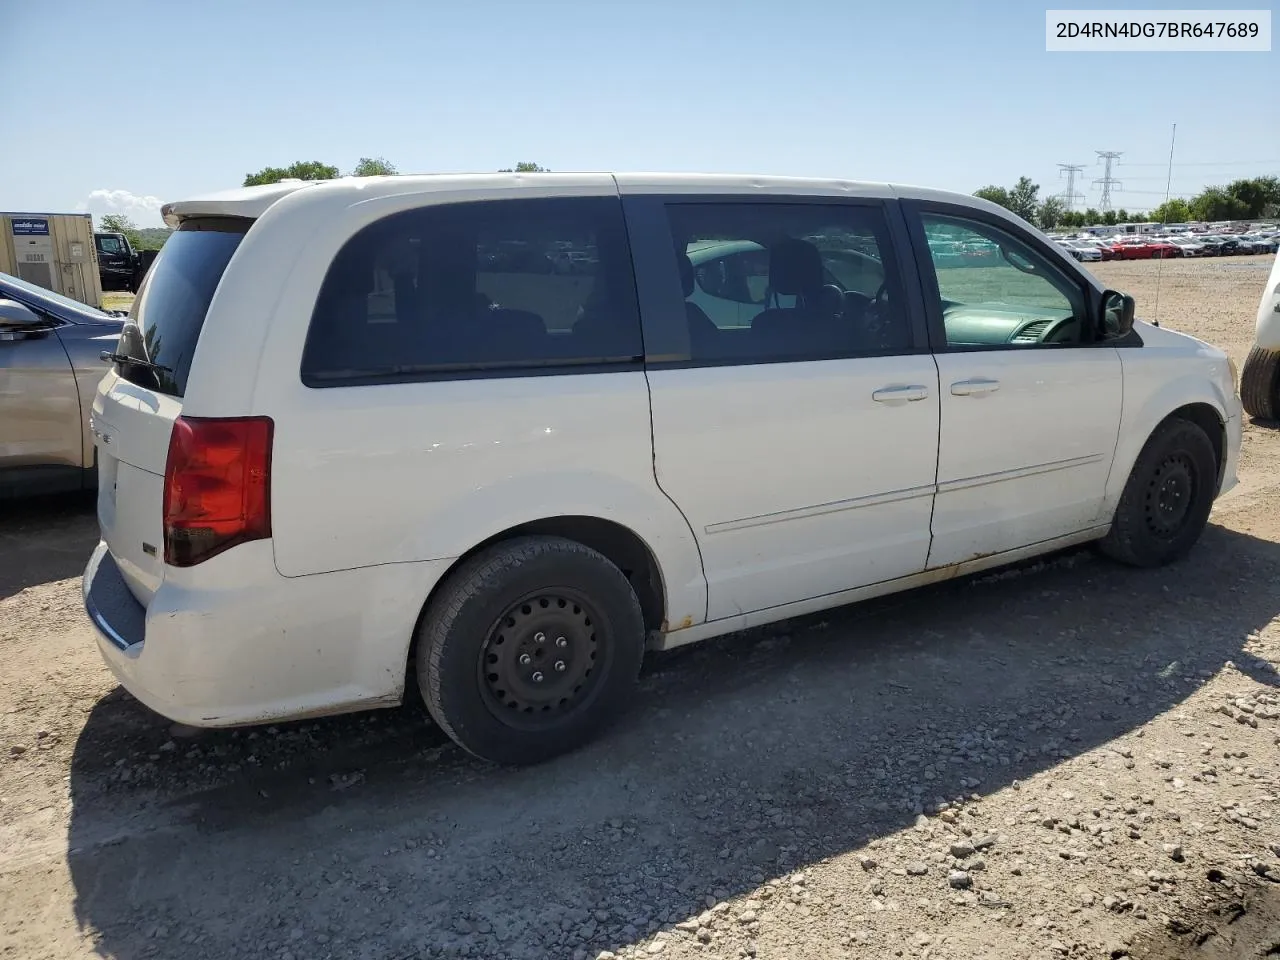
[560,666]
[525,659]
[537,677]
[539,637]
[561,642]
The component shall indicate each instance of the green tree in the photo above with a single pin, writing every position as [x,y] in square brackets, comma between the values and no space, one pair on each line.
[1051,213]
[1122,216]
[374,167]
[1259,196]
[119,223]
[1092,217]
[298,170]
[1215,203]
[998,195]
[152,238]
[525,166]
[1109,218]
[1023,198]
[1174,210]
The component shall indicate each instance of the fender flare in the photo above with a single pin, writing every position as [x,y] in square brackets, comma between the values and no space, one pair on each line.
[461,524]
[1136,427]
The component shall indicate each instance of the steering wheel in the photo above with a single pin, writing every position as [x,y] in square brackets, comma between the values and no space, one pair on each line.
[874,316]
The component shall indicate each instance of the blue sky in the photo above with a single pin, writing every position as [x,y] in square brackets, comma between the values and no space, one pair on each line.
[121,105]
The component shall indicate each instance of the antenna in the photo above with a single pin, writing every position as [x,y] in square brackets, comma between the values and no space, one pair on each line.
[1168,184]
[1107,181]
[1070,196]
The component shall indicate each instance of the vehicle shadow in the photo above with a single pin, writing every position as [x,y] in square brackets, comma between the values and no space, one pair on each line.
[45,539]
[370,836]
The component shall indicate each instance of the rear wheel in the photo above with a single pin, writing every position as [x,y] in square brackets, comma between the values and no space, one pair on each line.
[529,649]
[1167,498]
[1260,384]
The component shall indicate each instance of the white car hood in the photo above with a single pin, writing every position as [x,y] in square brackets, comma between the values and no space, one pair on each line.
[1164,337]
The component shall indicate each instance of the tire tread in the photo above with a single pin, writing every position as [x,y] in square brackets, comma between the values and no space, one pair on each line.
[1260,384]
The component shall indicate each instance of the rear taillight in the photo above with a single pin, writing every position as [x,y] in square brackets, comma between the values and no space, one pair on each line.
[217,486]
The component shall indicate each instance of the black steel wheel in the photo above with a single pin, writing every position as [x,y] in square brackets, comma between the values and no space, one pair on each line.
[529,649]
[1167,498]
[539,658]
[1170,494]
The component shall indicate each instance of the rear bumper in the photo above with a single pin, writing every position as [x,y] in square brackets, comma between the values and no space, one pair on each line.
[232,642]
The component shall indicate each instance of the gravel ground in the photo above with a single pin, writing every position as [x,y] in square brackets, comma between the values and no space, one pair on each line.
[1066,759]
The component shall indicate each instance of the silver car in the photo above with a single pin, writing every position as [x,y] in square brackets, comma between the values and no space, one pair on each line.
[50,365]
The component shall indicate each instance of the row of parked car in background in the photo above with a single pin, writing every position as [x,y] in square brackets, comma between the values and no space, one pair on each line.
[1089,248]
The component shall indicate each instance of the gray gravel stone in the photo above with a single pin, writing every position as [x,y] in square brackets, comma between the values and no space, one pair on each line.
[959,880]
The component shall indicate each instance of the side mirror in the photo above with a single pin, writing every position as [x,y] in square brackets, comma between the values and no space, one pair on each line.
[1117,314]
[17,320]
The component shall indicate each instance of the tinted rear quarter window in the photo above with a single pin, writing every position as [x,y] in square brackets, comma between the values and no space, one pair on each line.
[169,311]
[493,288]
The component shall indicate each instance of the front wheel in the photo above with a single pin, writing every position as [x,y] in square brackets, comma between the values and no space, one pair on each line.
[529,649]
[1167,498]
[1260,384]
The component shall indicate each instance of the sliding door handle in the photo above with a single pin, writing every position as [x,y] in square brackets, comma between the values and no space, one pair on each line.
[977,387]
[897,394]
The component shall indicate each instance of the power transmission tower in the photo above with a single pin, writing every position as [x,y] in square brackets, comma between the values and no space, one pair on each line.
[1107,181]
[1069,196]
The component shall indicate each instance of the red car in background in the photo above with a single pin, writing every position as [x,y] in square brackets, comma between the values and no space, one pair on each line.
[1101,245]
[1143,248]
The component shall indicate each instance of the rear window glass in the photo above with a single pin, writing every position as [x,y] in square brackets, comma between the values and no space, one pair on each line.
[497,288]
[165,321]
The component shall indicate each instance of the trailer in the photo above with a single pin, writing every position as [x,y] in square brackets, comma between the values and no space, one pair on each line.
[54,251]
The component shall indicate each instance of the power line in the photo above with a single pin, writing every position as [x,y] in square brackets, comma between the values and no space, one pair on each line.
[1210,163]
[1190,177]
[1070,196]
[1107,181]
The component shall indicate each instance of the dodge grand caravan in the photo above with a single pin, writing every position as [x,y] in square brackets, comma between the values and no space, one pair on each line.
[494,436]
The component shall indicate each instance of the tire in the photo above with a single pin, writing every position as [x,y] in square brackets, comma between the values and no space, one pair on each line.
[520,605]
[1260,384]
[1167,498]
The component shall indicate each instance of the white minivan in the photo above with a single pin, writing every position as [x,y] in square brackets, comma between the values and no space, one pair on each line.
[497,435]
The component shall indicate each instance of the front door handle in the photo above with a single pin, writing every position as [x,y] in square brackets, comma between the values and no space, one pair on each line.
[898,394]
[977,387]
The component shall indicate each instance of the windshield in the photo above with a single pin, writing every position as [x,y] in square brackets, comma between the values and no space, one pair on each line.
[169,312]
[33,295]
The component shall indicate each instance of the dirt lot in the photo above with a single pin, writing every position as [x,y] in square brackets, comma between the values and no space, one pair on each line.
[1069,759]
